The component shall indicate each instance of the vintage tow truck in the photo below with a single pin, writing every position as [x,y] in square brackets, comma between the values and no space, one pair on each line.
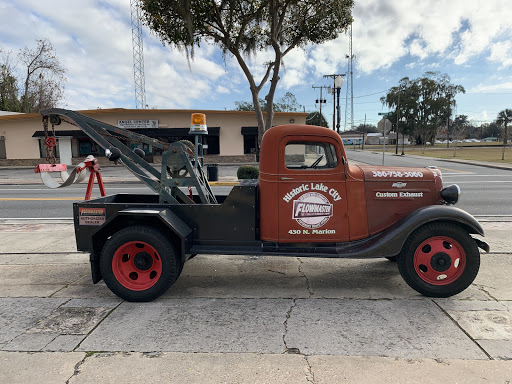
[308,202]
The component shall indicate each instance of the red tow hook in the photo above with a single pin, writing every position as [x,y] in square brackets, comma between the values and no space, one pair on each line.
[94,168]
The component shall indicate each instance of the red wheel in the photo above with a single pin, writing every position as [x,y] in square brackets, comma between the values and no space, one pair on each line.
[137,265]
[439,260]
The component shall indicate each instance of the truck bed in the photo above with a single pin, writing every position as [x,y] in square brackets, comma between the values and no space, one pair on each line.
[233,221]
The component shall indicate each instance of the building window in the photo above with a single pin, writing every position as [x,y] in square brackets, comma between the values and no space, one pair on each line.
[88,147]
[250,135]
[250,144]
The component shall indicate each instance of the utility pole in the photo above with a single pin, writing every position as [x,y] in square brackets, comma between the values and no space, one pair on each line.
[321,100]
[138,56]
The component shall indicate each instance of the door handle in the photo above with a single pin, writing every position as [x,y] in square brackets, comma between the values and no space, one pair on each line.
[286,178]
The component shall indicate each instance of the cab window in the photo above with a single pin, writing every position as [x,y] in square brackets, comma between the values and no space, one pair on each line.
[310,155]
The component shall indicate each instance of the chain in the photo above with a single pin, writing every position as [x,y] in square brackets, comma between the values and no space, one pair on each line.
[49,142]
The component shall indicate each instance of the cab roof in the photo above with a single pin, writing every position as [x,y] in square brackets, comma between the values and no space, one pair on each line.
[270,142]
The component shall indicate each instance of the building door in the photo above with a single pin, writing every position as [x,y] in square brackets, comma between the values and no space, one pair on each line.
[3,154]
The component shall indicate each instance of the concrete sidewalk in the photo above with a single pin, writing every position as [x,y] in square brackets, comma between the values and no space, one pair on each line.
[232,319]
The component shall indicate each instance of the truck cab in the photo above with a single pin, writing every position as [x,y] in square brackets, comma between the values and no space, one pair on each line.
[310,193]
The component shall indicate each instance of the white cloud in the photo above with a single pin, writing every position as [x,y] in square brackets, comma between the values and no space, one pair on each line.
[503,87]
[93,41]
[501,52]
[222,90]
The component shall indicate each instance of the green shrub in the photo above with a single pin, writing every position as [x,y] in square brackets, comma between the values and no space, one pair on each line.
[248,172]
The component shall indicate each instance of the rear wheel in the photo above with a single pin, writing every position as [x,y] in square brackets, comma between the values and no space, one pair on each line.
[439,260]
[139,263]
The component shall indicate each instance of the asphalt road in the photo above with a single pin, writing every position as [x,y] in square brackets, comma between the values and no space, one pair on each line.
[485,191]
[34,201]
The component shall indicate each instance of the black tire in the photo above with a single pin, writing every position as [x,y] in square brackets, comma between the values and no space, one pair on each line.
[439,260]
[393,259]
[139,263]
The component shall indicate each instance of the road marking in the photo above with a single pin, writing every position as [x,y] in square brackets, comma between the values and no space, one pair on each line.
[475,175]
[453,170]
[486,182]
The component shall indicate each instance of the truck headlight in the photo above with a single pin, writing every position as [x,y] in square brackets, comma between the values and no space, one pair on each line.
[451,194]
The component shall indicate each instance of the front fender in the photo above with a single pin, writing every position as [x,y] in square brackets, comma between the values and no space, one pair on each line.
[391,241]
[442,213]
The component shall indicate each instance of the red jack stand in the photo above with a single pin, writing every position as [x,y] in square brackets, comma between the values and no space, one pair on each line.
[94,168]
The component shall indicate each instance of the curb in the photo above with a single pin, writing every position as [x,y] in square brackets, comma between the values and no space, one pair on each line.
[461,161]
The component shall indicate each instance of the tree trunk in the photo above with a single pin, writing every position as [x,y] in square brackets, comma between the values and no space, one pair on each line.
[504,143]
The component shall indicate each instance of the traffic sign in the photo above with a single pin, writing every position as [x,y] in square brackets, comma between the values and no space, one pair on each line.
[385,113]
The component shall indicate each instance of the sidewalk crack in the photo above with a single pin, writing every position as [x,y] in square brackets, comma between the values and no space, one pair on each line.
[285,324]
[310,291]
[310,375]
[78,366]
[484,290]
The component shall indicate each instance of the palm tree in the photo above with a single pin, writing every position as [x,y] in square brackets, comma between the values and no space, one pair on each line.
[504,117]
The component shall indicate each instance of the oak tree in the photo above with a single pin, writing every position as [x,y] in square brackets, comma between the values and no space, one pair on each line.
[243,27]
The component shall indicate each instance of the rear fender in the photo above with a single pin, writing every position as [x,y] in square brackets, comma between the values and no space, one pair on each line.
[164,219]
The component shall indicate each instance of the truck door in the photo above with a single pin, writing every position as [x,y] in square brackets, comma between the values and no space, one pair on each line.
[312,191]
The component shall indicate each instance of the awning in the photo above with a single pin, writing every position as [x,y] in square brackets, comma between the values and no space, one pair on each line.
[150,132]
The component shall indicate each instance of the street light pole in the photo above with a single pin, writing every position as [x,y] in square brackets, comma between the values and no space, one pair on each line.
[403,120]
[397,120]
[384,142]
[338,82]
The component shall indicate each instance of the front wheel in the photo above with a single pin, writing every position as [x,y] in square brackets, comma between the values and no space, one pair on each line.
[439,260]
[139,263]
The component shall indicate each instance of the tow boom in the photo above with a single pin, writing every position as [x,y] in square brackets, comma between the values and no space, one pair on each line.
[179,168]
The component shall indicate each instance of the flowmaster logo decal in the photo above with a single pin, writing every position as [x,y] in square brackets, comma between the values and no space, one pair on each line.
[399,185]
[312,210]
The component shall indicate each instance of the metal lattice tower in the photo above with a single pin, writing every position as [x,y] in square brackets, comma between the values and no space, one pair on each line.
[349,112]
[138,56]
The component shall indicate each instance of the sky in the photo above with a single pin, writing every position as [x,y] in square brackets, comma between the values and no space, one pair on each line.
[470,40]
